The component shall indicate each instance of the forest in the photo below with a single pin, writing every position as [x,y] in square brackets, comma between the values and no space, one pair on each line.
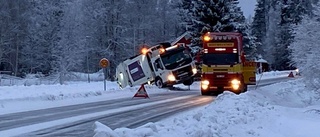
[64,36]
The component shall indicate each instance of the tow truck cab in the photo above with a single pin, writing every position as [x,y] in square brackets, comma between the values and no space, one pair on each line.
[224,66]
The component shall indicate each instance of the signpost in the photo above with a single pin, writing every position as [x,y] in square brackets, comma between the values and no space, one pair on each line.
[104,63]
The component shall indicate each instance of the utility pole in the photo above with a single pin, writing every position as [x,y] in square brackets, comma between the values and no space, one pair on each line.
[17,50]
[87,58]
[134,40]
[17,55]
[88,66]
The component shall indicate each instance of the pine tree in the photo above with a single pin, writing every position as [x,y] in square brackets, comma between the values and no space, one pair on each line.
[184,12]
[13,33]
[250,43]
[259,25]
[36,55]
[272,25]
[291,14]
[59,50]
[217,16]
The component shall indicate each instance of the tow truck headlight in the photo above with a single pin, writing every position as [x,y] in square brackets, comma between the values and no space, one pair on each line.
[235,84]
[171,78]
[205,84]
[194,70]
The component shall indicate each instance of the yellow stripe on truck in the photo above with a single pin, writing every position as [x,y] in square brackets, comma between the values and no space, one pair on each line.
[221,44]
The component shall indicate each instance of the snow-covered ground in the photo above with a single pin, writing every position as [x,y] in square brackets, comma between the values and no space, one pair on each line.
[284,109]
[280,110]
[45,96]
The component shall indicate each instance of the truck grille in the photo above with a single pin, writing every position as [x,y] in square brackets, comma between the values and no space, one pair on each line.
[183,73]
[222,79]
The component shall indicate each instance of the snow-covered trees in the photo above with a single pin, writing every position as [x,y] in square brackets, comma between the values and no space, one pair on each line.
[13,32]
[259,24]
[202,16]
[71,35]
[305,48]
[272,25]
[219,16]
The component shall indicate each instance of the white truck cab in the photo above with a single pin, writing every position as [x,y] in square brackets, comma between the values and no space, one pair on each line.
[164,65]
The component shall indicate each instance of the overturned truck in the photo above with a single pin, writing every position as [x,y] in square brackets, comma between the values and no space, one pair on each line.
[163,65]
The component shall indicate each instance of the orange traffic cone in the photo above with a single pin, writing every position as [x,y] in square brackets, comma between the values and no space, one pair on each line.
[291,75]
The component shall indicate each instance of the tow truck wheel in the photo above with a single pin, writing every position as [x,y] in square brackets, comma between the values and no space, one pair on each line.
[159,83]
[205,93]
[245,88]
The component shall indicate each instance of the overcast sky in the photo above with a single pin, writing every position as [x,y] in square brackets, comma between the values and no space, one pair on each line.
[248,6]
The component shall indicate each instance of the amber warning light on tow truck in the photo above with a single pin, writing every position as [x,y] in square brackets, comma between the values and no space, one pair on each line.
[161,50]
[144,51]
[206,38]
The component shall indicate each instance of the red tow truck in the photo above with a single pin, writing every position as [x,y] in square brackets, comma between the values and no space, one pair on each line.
[224,66]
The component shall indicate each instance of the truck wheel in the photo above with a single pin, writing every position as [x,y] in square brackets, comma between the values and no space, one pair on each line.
[245,88]
[188,82]
[205,93]
[159,83]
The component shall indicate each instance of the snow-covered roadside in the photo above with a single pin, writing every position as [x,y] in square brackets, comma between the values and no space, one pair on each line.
[24,98]
[279,110]
[260,112]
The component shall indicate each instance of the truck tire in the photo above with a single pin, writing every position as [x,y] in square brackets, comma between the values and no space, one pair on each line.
[205,93]
[130,84]
[159,83]
[188,82]
[245,88]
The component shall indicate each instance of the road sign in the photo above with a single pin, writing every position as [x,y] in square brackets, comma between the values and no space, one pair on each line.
[141,92]
[104,63]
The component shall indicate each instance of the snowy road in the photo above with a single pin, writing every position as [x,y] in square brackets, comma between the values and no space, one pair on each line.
[127,112]
[78,120]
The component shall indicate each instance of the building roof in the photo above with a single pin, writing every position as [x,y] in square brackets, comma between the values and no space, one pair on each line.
[261,60]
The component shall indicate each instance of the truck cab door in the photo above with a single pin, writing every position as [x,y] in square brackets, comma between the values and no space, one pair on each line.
[158,67]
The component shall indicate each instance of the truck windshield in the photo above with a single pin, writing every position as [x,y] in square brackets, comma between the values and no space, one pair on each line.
[177,58]
[220,59]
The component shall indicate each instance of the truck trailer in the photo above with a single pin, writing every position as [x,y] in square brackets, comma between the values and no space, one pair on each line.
[224,66]
[163,65]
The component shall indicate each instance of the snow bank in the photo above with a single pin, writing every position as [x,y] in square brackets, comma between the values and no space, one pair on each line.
[40,79]
[273,74]
[279,110]
[54,92]
[229,112]
[288,94]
